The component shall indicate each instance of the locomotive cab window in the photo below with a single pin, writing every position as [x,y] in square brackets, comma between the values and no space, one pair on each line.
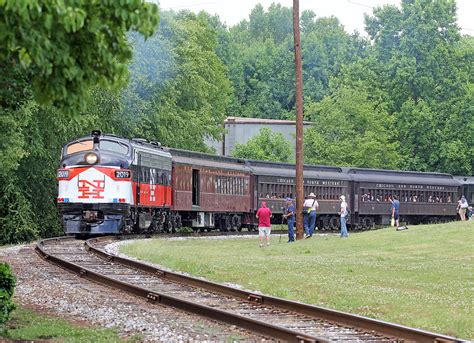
[113,146]
[80,146]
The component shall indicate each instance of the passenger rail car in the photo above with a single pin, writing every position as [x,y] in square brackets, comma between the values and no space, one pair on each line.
[424,197]
[276,181]
[109,184]
[211,191]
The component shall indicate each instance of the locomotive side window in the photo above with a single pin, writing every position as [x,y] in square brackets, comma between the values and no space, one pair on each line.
[79,146]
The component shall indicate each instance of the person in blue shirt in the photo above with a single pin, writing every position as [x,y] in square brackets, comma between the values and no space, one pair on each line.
[290,218]
[395,209]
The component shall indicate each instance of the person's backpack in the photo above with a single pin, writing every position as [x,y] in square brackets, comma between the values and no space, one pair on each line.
[348,210]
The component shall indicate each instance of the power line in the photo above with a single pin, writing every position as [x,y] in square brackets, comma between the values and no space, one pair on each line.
[357,3]
[187,6]
[372,7]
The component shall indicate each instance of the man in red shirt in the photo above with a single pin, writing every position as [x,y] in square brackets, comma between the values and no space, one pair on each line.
[263,215]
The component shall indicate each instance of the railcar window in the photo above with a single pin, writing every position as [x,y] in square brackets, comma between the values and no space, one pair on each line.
[421,197]
[153,176]
[113,146]
[79,146]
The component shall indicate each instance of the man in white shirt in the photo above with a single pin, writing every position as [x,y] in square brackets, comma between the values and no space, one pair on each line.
[343,213]
[310,206]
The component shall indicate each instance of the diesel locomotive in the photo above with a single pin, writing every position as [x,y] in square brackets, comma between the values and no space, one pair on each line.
[109,184]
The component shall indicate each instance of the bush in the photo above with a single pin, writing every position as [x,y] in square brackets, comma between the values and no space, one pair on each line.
[7,284]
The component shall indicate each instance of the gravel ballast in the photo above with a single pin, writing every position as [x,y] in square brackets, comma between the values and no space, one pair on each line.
[47,287]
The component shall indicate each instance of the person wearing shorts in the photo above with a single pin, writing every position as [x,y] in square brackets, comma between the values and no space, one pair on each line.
[395,210]
[264,227]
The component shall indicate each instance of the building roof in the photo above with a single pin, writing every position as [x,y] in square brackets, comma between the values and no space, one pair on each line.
[240,120]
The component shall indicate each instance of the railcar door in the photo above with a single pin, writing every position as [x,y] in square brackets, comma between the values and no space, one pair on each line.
[195,187]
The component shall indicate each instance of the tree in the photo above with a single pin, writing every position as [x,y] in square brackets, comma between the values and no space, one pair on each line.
[52,53]
[7,285]
[261,60]
[326,47]
[68,47]
[351,130]
[417,48]
[266,146]
[186,104]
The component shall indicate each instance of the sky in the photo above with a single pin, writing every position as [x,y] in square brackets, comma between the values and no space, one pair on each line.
[349,12]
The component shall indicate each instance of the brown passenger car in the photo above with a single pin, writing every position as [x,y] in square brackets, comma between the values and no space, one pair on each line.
[211,191]
[424,197]
[276,181]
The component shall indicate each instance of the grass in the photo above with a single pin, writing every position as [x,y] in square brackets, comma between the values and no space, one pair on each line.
[422,277]
[25,324]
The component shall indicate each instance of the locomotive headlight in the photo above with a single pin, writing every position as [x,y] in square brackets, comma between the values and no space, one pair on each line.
[91,158]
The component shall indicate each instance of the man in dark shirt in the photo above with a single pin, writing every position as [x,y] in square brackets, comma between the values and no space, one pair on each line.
[395,209]
[263,215]
[290,218]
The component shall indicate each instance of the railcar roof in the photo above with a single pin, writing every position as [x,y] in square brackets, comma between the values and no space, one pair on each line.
[207,160]
[288,170]
[467,180]
[394,176]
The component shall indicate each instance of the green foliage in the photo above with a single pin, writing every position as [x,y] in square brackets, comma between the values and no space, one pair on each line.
[425,66]
[69,47]
[260,58]
[420,134]
[16,214]
[7,285]
[351,130]
[184,97]
[266,146]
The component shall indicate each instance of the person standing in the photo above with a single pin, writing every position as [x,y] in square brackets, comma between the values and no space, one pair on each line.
[264,227]
[343,213]
[462,207]
[290,218]
[395,210]
[310,206]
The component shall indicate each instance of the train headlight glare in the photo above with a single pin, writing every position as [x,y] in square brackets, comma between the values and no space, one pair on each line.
[91,158]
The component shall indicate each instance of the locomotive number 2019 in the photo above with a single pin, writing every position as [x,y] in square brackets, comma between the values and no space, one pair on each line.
[122,174]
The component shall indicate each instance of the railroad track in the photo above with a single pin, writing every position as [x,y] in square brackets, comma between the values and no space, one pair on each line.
[270,316]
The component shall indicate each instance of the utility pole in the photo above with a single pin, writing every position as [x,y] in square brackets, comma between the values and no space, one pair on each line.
[299,122]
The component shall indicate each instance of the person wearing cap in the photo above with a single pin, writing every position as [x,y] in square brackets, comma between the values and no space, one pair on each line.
[290,218]
[310,206]
[343,213]
[264,227]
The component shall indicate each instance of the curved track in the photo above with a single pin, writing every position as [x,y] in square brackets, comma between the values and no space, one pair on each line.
[269,316]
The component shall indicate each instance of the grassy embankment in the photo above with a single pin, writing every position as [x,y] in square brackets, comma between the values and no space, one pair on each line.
[27,325]
[422,277]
